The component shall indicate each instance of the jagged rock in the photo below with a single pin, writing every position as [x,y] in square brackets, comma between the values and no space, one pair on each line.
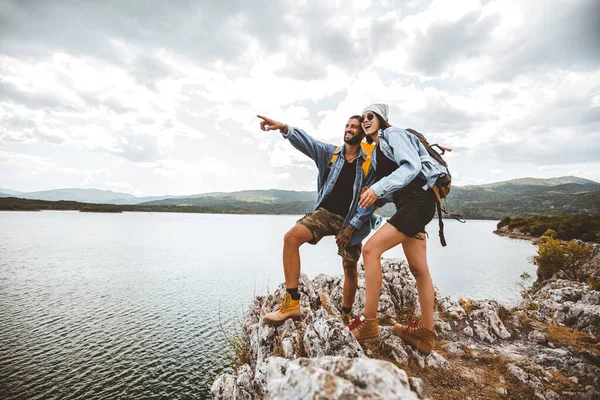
[453,348]
[291,341]
[244,383]
[537,336]
[523,376]
[328,336]
[571,304]
[336,378]
[417,386]
[224,387]
[436,361]
[452,308]
[514,352]
[393,346]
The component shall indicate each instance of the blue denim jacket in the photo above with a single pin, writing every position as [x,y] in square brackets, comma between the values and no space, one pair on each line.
[412,158]
[321,154]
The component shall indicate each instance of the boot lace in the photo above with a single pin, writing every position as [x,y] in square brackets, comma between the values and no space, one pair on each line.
[285,302]
[414,325]
[357,323]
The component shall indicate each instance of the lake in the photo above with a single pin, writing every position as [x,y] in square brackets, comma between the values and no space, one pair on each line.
[102,306]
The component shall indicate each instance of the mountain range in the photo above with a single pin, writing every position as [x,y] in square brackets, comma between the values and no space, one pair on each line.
[519,197]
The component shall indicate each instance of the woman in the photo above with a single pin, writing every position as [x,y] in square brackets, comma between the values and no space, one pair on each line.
[406,174]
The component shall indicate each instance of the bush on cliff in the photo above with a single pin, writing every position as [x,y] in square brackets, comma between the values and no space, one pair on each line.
[572,258]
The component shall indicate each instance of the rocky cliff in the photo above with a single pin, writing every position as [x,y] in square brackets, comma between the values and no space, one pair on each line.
[546,348]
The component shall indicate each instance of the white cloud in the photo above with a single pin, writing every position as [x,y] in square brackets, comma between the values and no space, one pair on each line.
[162,113]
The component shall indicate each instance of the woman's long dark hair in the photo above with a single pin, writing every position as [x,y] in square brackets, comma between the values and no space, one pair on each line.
[383,124]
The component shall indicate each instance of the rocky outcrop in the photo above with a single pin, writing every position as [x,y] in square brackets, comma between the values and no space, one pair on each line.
[568,303]
[318,357]
[516,234]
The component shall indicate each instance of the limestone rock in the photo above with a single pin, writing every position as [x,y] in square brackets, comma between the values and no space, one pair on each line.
[328,336]
[571,304]
[336,378]
[417,386]
[338,366]
[436,361]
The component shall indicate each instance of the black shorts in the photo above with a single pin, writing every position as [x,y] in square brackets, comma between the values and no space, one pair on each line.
[414,209]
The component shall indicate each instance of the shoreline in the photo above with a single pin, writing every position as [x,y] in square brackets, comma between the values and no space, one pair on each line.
[516,234]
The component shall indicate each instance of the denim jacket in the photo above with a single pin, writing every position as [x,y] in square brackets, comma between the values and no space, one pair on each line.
[321,154]
[412,158]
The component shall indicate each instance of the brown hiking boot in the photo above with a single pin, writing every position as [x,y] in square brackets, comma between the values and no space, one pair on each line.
[346,318]
[288,308]
[416,335]
[365,330]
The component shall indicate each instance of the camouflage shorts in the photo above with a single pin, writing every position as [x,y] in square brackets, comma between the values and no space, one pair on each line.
[324,223]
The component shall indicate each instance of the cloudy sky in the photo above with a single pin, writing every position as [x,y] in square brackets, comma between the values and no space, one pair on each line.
[155,98]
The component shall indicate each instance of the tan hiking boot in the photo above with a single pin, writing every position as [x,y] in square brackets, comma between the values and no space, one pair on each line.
[288,308]
[365,330]
[346,317]
[416,335]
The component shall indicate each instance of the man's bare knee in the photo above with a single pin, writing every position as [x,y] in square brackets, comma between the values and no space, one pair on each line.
[294,237]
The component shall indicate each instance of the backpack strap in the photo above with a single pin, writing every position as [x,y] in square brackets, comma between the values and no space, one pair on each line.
[441,208]
[368,148]
[441,223]
[334,156]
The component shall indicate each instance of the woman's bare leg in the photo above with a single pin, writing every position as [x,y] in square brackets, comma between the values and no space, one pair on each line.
[384,239]
[416,255]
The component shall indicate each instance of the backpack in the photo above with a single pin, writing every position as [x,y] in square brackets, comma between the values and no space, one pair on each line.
[441,188]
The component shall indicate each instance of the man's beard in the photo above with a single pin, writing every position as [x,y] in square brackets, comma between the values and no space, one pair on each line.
[354,139]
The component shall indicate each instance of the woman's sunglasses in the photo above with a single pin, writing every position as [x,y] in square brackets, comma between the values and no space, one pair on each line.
[369,117]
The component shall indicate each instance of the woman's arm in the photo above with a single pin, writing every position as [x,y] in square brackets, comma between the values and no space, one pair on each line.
[406,155]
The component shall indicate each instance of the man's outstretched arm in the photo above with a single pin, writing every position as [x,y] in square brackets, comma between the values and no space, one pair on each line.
[302,141]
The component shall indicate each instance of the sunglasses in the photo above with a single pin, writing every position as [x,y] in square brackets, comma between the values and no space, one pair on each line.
[369,117]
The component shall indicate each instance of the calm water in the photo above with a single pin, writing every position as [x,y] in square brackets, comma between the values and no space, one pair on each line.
[100,306]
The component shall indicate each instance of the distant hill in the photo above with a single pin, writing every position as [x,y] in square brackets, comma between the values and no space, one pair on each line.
[8,192]
[272,196]
[537,182]
[515,198]
[82,195]
[519,197]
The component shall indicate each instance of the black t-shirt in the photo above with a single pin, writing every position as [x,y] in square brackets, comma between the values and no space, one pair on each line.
[385,166]
[340,198]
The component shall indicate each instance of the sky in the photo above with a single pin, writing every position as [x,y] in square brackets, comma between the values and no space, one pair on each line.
[157,98]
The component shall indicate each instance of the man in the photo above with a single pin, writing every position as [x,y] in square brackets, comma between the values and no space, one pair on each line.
[336,212]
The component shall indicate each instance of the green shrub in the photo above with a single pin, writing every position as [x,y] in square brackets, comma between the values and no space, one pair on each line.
[550,233]
[584,227]
[503,222]
[555,255]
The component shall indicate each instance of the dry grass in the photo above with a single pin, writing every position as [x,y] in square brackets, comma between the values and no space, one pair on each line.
[469,376]
[573,338]
[467,304]
[237,355]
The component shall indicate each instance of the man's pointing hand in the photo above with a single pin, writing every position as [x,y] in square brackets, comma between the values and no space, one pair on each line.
[268,124]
